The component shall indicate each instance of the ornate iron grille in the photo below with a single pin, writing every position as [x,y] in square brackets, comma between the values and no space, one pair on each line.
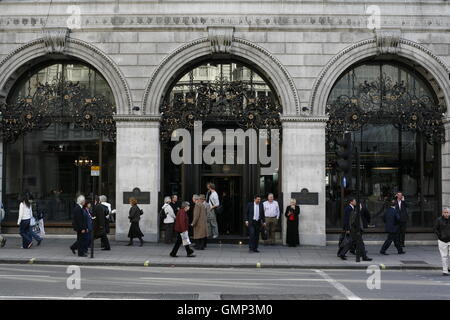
[385,101]
[60,101]
[235,102]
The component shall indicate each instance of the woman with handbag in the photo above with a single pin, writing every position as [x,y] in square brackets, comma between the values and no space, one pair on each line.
[25,215]
[181,228]
[135,217]
[292,213]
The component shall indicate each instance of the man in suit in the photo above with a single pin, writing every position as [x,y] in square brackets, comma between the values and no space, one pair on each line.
[353,225]
[80,225]
[391,223]
[401,207]
[99,213]
[254,217]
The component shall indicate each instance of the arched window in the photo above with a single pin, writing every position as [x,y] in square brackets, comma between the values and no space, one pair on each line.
[396,126]
[56,122]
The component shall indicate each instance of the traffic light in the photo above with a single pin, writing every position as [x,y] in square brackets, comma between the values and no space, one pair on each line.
[344,158]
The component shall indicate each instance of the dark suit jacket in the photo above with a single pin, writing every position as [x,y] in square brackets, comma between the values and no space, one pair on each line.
[365,215]
[403,211]
[391,220]
[79,222]
[250,210]
[347,211]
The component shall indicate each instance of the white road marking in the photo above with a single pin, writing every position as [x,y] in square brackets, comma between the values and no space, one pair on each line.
[339,286]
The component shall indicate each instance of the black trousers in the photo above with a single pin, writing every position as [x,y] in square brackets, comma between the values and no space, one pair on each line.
[392,237]
[359,245]
[201,243]
[105,241]
[177,245]
[254,228]
[402,233]
[82,243]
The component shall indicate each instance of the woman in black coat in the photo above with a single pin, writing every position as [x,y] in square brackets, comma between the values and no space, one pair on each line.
[135,216]
[292,213]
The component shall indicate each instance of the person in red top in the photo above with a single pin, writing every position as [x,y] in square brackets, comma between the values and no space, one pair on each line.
[182,226]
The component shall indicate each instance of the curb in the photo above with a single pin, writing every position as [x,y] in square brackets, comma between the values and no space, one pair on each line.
[148,264]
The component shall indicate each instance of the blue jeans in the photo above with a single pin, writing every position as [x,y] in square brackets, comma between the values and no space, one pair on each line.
[34,235]
[25,232]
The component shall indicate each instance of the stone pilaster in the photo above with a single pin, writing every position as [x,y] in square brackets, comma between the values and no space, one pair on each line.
[446,166]
[303,166]
[137,165]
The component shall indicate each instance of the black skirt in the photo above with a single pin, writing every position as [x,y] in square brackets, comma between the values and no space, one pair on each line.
[135,231]
[292,237]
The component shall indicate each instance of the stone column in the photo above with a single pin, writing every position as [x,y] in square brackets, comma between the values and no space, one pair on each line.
[446,166]
[137,166]
[303,166]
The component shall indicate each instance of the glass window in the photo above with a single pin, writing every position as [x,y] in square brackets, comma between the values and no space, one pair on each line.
[391,159]
[53,164]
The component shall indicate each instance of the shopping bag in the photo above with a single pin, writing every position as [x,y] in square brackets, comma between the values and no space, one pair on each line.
[185,238]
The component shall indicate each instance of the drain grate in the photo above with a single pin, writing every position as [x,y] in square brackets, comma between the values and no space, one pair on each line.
[276,297]
[413,262]
[147,296]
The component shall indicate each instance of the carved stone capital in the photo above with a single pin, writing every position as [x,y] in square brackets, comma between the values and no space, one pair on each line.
[55,39]
[388,41]
[220,38]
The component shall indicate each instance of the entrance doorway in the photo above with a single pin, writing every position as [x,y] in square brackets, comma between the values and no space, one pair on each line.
[229,189]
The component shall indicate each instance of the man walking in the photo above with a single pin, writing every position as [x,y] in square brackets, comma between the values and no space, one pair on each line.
[442,230]
[254,217]
[213,200]
[272,214]
[392,227]
[354,226]
[80,225]
[100,212]
[401,207]
[2,216]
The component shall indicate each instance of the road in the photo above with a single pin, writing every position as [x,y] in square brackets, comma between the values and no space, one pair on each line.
[102,282]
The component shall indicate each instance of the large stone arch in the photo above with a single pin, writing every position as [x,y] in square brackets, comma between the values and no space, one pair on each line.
[271,68]
[24,57]
[429,65]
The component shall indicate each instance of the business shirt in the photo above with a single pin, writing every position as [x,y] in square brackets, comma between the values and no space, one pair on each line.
[271,209]
[255,211]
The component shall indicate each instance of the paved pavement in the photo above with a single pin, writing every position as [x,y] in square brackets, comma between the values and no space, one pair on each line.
[56,251]
[57,282]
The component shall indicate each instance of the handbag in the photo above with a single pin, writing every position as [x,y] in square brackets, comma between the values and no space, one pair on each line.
[264,233]
[185,238]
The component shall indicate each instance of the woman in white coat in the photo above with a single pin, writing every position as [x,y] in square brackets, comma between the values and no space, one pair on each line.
[169,220]
[25,214]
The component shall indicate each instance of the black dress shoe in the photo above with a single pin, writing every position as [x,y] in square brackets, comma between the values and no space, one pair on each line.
[39,242]
[83,255]
[402,252]
[384,253]
[73,251]
[343,257]
[256,250]
[3,243]
[191,255]
[106,249]
[173,255]
[367,259]
[358,259]
[445,274]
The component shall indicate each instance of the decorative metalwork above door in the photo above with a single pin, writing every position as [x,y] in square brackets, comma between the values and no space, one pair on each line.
[60,101]
[226,99]
[385,101]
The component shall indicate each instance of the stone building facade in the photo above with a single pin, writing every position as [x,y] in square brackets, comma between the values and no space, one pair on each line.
[301,48]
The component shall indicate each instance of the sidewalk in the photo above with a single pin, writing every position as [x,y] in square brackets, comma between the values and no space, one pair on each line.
[56,251]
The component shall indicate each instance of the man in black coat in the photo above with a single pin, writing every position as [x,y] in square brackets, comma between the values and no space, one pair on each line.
[401,207]
[99,213]
[254,217]
[353,225]
[392,227]
[80,225]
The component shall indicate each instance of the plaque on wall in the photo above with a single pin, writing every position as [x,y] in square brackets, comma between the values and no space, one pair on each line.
[305,197]
[142,197]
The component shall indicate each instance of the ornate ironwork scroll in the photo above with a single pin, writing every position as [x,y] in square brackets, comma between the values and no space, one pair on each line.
[386,102]
[57,102]
[232,102]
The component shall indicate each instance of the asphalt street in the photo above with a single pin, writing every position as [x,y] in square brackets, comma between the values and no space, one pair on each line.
[119,282]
